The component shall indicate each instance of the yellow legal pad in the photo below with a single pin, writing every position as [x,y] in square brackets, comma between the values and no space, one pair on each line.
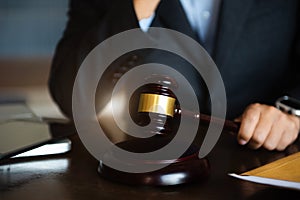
[287,168]
[284,172]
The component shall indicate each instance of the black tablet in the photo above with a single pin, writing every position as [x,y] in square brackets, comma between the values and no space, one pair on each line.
[21,136]
[21,130]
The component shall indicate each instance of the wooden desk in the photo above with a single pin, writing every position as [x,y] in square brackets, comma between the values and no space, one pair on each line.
[74,176]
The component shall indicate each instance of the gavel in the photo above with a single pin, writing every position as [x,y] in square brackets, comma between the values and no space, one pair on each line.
[161,102]
[156,103]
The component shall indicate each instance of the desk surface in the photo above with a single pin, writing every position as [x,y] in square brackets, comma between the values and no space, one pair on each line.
[74,176]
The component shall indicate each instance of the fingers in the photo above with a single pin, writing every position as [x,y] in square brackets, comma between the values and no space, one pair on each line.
[265,126]
[273,138]
[264,130]
[249,120]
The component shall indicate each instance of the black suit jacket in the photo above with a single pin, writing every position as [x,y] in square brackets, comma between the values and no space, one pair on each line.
[257,47]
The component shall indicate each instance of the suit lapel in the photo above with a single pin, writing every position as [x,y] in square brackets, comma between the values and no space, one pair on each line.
[170,14]
[233,15]
[231,21]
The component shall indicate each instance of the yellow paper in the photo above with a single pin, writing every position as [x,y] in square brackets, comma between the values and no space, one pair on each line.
[287,169]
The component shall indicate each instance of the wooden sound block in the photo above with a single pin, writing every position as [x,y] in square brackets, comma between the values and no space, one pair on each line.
[186,169]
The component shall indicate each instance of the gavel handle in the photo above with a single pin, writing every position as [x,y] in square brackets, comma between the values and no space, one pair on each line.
[229,125]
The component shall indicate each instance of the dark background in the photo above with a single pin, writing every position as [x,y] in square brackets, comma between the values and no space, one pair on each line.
[29,32]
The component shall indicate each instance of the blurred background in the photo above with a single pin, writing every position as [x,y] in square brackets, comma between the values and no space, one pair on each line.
[29,33]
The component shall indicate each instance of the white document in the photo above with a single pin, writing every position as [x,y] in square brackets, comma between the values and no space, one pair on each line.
[268,181]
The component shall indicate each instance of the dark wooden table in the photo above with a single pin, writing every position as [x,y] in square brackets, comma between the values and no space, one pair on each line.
[74,176]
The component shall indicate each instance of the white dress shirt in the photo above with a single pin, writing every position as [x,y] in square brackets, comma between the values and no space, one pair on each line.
[202,16]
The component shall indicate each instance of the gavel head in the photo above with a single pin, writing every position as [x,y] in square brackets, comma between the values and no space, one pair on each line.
[156,106]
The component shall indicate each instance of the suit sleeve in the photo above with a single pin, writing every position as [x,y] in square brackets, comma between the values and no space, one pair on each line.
[295,75]
[89,23]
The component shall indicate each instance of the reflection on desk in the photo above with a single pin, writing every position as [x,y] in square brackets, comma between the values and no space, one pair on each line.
[74,176]
[39,166]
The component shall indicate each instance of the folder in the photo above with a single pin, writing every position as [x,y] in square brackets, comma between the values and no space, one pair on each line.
[284,172]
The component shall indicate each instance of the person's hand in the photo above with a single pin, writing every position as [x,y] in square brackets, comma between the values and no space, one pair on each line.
[268,127]
[144,8]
